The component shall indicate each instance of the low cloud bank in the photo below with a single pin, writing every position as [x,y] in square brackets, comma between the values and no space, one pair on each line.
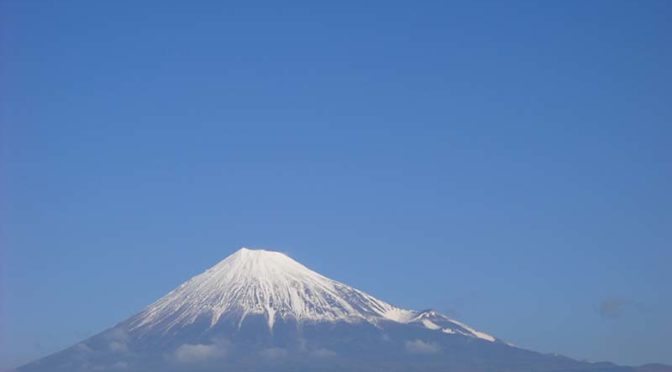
[198,353]
[421,347]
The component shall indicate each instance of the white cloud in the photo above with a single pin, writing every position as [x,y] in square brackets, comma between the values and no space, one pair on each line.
[83,348]
[323,353]
[195,353]
[118,346]
[274,353]
[118,340]
[421,347]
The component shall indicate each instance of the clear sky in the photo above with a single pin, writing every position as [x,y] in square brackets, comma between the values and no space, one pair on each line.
[508,164]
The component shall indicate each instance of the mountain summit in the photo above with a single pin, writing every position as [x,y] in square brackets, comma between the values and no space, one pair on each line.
[260,310]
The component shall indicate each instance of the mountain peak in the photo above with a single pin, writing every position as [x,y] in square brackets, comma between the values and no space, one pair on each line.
[249,256]
[267,283]
[255,252]
[268,268]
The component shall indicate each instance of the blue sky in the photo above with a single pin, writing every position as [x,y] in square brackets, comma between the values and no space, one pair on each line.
[509,164]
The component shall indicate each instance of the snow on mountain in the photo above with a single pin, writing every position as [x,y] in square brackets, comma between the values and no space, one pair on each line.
[436,321]
[260,311]
[268,283]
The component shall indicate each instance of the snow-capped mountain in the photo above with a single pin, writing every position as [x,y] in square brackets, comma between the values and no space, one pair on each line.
[260,310]
[272,285]
[260,282]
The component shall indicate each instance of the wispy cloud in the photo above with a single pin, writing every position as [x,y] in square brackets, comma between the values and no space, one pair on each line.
[323,353]
[274,353]
[197,353]
[117,340]
[421,347]
[613,307]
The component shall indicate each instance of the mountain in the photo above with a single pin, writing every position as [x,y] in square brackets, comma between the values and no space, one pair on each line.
[260,310]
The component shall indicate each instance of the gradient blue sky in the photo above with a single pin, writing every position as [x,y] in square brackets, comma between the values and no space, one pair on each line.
[509,164]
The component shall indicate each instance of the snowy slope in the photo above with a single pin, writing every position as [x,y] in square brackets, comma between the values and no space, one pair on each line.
[433,320]
[260,282]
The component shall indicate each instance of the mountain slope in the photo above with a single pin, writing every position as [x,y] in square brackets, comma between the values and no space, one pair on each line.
[262,311]
[259,282]
[274,286]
